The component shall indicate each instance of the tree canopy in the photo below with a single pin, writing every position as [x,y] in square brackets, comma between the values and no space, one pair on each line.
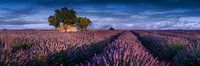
[68,16]
[83,23]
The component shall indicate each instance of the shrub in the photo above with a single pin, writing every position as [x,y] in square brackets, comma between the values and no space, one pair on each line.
[75,55]
[38,47]
[125,51]
[2,64]
[189,56]
[163,47]
[19,46]
[60,58]
[39,59]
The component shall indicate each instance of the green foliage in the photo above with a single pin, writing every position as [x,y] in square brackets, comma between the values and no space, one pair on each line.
[171,50]
[39,59]
[63,57]
[189,56]
[191,59]
[52,21]
[2,64]
[83,23]
[163,48]
[17,46]
[68,16]
[167,51]
[63,15]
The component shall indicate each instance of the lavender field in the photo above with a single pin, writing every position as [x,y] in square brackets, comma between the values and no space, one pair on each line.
[99,48]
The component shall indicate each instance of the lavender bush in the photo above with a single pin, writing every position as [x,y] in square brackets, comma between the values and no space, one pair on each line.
[99,48]
[125,51]
[36,47]
[189,56]
[163,47]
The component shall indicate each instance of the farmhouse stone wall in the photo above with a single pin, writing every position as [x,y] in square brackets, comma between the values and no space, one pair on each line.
[68,28]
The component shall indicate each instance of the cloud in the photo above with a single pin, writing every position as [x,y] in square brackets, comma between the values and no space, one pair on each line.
[19,22]
[126,14]
[9,14]
[26,26]
[14,14]
[189,19]
[183,23]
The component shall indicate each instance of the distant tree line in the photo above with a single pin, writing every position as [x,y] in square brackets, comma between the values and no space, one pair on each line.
[66,16]
[111,28]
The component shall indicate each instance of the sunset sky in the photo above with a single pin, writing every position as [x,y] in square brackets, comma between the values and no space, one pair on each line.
[120,14]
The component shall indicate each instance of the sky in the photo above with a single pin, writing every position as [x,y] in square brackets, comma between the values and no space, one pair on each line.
[120,14]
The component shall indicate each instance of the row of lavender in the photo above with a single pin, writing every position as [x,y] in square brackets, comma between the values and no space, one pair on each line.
[50,47]
[193,36]
[95,48]
[177,48]
[125,51]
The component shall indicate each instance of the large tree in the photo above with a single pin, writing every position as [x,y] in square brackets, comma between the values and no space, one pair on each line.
[66,16]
